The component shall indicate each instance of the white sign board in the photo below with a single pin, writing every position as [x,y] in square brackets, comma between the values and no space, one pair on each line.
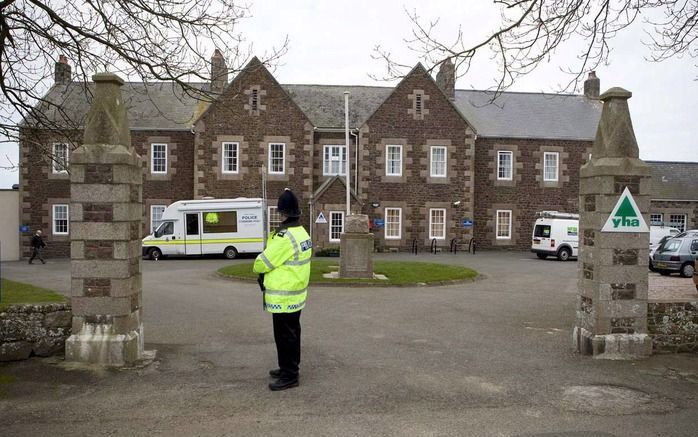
[625,216]
[321,218]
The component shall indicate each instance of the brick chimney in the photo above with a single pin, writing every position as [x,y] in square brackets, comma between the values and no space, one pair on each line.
[592,86]
[219,72]
[62,72]
[446,79]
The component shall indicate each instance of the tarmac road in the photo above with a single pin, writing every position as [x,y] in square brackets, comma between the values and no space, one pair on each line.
[486,358]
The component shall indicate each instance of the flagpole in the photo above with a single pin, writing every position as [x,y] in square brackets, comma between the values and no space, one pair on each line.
[346,135]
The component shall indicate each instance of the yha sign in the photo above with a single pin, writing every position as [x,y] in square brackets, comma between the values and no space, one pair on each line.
[626,216]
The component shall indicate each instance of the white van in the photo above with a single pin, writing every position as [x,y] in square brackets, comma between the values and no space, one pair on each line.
[210,226]
[556,234]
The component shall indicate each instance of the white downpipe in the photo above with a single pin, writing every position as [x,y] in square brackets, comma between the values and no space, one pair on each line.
[346,137]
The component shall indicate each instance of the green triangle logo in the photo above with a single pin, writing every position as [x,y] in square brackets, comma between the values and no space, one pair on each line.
[626,209]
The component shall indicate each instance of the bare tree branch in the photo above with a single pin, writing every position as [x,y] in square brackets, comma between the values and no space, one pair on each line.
[146,41]
[531,31]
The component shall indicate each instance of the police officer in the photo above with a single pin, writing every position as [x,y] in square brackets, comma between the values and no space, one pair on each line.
[284,269]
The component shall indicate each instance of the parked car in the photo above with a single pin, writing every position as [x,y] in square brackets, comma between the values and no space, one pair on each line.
[695,274]
[658,235]
[677,255]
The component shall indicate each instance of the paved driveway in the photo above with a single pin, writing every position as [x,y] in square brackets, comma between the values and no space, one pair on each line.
[487,358]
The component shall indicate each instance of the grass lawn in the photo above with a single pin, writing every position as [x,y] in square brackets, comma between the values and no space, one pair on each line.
[17,292]
[398,272]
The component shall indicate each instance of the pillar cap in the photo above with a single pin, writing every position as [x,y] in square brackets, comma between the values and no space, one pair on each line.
[616,92]
[106,78]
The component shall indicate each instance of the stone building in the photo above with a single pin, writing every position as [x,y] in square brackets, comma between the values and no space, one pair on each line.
[425,157]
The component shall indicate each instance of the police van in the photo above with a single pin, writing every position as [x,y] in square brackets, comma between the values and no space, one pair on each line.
[209,226]
[556,234]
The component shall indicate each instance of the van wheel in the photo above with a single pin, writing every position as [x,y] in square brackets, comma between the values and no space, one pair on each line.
[564,254]
[664,272]
[155,254]
[230,252]
[687,270]
[541,255]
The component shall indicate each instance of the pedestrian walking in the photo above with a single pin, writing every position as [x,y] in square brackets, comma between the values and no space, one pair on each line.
[284,269]
[37,246]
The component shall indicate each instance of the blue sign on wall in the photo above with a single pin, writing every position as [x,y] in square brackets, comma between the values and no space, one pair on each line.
[467,223]
[23,229]
[378,223]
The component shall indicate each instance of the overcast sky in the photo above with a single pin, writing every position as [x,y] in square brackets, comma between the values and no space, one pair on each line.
[332,43]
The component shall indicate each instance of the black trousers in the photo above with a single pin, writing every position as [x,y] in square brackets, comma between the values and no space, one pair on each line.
[36,253]
[287,335]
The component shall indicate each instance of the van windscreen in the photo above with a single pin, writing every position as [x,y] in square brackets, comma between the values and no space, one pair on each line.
[542,231]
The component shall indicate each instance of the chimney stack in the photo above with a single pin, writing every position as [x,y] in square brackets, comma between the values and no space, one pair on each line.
[592,86]
[219,72]
[446,79]
[62,72]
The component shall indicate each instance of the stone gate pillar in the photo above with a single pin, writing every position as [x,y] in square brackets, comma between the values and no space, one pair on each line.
[611,302]
[105,227]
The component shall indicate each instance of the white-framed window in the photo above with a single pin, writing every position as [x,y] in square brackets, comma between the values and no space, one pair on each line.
[678,221]
[336,225]
[59,163]
[335,160]
[438,161]
[393,160]
[60,220]
[273,218]
[503,224]
[437,223]
[656,219]
[156,216]
[505,165]
[158,158]
[231,157]
[393,223]
[277,158]
[550,166]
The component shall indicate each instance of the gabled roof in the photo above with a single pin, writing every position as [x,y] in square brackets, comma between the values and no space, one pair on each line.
[674,180]
[512,114]
[327,184]
[530,115]
[159,105]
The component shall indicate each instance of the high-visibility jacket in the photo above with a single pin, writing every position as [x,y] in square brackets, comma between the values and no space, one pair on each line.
[286,267]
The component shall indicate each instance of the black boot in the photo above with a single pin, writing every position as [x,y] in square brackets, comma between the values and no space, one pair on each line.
[283,384]
[276,373]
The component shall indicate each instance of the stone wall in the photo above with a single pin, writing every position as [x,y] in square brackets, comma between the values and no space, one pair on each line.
[40,187]
[40,330]
[437,123]
[526,193]
[673,326]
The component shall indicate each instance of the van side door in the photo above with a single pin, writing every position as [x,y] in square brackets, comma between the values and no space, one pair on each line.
[192,233]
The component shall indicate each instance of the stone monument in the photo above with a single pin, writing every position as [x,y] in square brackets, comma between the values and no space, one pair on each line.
[611,302]
[105,228]
[356,248]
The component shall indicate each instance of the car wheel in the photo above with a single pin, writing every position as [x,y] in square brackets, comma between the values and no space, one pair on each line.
[564,254]
[230,252]
[687,270]
[155,254]
[651,267]
[541,255]
[664,272]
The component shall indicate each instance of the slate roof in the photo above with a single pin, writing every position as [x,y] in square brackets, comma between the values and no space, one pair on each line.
[512,114]
[159,105]
[530,115]
[674,180]
[324,104]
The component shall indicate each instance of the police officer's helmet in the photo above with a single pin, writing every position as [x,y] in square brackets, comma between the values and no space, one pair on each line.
[288,204]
